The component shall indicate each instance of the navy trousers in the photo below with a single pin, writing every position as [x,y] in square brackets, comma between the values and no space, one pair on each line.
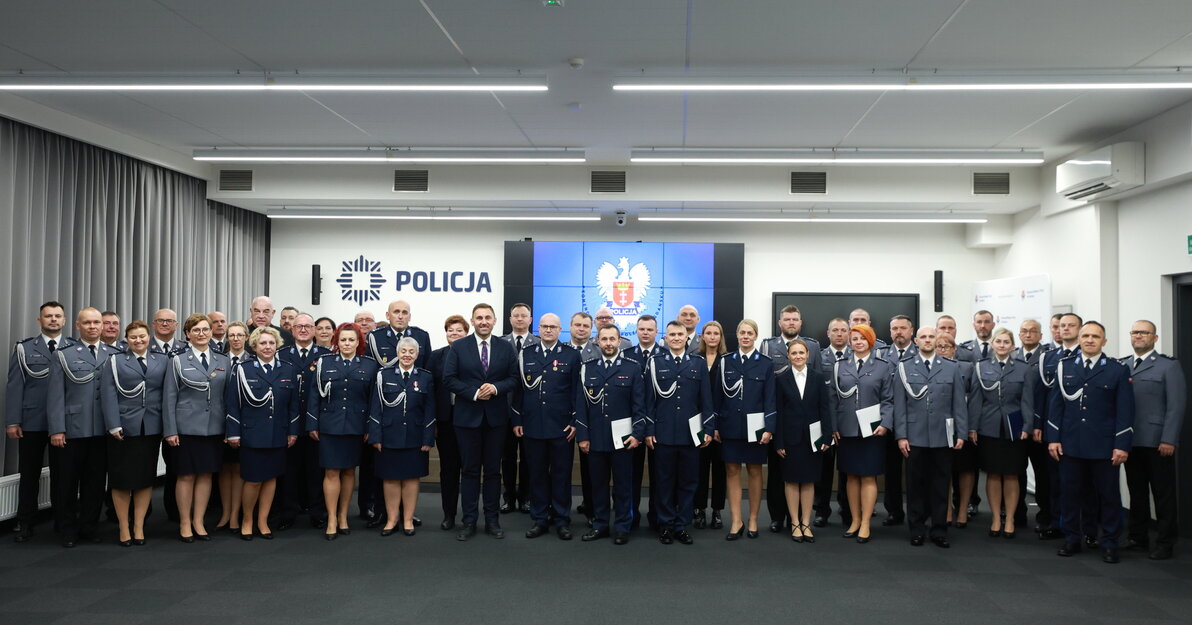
[1089,488]
[549,464]
[618,465]
[480,449]
[302,484]
[678,475]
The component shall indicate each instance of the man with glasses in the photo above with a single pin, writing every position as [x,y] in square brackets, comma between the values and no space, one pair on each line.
[302,484]
[165,326]
[604,317]
[1031,350]
[1160,397]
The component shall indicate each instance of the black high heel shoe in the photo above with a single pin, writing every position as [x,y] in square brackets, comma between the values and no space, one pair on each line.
[796,538]
[807,538]
[751,533]
[735,535]
[850,533]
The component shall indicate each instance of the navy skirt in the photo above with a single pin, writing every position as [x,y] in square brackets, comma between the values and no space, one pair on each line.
[262,464]
[231,455]
[965,460]
[1002,456]
[801,465]
[402,464]
[863,457]
[340,451]
[198,454]
[741,451]
[132,462]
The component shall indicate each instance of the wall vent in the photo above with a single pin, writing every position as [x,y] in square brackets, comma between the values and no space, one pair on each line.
[809,182]
[997,183]
[411,180]
[608,182]
[235,180]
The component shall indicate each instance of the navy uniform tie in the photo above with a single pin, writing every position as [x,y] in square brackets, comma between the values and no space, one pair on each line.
[141,361]
[203,359]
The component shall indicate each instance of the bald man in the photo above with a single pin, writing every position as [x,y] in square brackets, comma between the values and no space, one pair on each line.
[165,327]
[260,315]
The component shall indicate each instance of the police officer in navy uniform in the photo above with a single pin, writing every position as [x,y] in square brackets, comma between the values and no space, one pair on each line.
[77,429]
[1160,397]
[647,347]
[580,330]
[25,410]
[1090,430]
[302,484]
[790,324]
[515,473]
[679,392]
[930,421]
[543,416]
[612,392]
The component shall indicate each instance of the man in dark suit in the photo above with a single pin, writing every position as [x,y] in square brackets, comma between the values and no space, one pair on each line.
[261,314]
[1160,397]
[1030,350]
[514,474]
[481,371]
[1090,430]
[301,487]
[25,410]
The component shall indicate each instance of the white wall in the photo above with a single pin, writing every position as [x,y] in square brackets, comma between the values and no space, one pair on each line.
[798,257]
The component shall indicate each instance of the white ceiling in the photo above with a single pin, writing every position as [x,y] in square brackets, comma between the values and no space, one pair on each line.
[616,38]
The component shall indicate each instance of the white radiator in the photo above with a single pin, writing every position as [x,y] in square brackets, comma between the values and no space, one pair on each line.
[10,492]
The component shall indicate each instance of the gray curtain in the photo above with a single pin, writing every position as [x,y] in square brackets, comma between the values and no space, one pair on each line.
[90,227]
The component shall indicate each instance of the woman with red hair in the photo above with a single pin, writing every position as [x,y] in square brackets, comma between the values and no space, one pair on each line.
[336,417]
[862,391]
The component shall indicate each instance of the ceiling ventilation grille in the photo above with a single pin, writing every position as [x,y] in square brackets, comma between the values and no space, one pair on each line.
[809,182]
[411,180]
[235,180]
[608,182]
[991,183]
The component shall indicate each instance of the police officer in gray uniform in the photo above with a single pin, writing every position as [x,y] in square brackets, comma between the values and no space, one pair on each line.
[902,333]
[76,428]
[1160,396]
[930,420]
[25,410]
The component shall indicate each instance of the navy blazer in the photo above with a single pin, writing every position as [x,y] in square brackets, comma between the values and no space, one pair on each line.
[382,345]
[676,392]
[28,383]
[263,408]
[607,394]
[408,423]
[1160,397]
[743,387]
[126,402]
[72,401]
[796,412]
[997,392]
[193,402]
[1044,382]
[292,354]
[1091,413]
[444,400]
[544,400]
[874,386]
[339,395]
[463,376]
[642,356]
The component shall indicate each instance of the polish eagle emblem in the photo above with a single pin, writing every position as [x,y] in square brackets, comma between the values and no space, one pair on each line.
[624,289]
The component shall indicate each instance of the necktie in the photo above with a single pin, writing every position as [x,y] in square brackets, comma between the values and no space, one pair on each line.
[484,355]
[860,363]
[92,347]
[405,375]
[1001,364]
[984,350]
[1088,364]
[235,360]
[608,364]
[266,368]
[165,348]
[1137,362]
[678,360]
[203,360]
[304,350]
[927,363]
[1067,352]
[519,343]
[901,352]
[141,360]
[53,344]
[839,354]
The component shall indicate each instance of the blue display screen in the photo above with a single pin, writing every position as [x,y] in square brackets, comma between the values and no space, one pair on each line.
[632,279]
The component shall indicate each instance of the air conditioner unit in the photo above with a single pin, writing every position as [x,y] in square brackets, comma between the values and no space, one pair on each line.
[1101,173]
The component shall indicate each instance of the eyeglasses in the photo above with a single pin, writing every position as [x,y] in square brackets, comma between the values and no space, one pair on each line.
[603,317]
[165,321]
[548,327]
[201,330]
[1140,332]
[304,326]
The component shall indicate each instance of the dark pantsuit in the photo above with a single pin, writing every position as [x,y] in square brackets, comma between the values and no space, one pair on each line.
[302,485]
[775,487]
[928,470]
[1042,465]
[31,449]
[83,465]
[549,464]
[892,498]
[677,471]
[1086,483]
[515,475]
[368,486]
[449,468]
[481,448]
[711,461]
[1147,474]
[619,465]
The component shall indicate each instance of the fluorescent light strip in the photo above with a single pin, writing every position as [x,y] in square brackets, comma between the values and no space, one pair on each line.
[386,159]
[441,217]
[291,87]
[834,161]
[842,220]
[1086,86]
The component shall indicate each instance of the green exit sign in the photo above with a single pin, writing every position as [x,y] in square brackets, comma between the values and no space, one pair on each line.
[1190,244]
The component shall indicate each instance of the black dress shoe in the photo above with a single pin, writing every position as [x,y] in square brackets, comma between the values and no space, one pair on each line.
[506,507]
[1136,545]
[891,521]
[776,526]
[1162,552]
[735,535]
[1090,542]
[344,531]
[267,535]
[581,509]
[699,520]
[751,533]
[447,524]
[123,543]
[246,537]
[563,532]
[388,531]
[536,531]
[375,522]
[666,537]
[409,532]
[203,537]
[466,531]
[1110,556]
[820,521]
[717,522]
[917,541]
[494,530]
[995,533]
[683,537]
[961,525]
[848,534]
[1051,533]
[1010,535]
[187,539]
[285,524]
[331,536]
[972,510]
[523,508]
[417,521]
[69,543]
[1068,550]
[941,542]
[24,535]
[621,539]
[591,535]
[861,540]
[319,524]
